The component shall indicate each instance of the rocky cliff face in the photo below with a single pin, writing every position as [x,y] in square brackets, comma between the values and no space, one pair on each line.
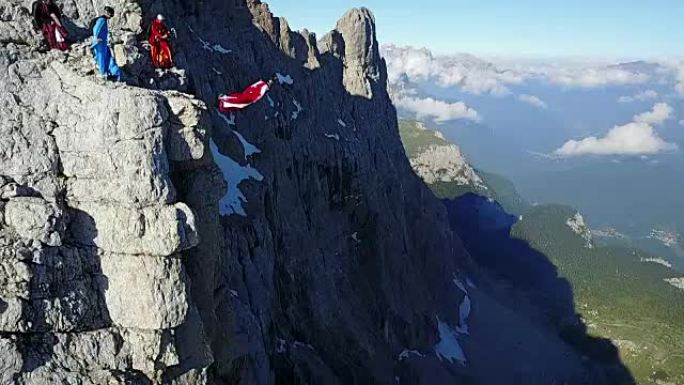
[147,239]
[435,160]
[580,227]
[93,282]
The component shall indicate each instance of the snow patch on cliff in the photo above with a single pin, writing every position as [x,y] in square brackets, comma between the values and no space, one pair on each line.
[220,49]
[465,307]
[463,314]
[448,347]
[459,284]
[295,114]
[470,283]
[209,46]
[284,79]
[229,121]
[250,149]
[406,353]
[234,174]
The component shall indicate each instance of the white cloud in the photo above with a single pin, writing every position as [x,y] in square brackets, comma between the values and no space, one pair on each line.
[660,113]
[466,72]
[533,101]
[594,77]
[474,75]
[639,97]
[417,64]
[677,69]
[630,139]
[674,69]
[438,110]
[635,138]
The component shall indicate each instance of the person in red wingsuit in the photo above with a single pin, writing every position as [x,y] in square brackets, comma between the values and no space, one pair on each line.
[47,18]
[243,99]
[159,43]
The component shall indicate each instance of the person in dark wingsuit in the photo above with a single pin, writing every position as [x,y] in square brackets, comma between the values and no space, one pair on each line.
[47,18]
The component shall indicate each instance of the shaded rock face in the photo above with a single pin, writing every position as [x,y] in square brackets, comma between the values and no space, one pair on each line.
[118,266]
[339,264]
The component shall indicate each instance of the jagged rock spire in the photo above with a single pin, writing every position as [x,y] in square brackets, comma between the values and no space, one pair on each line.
[354,41]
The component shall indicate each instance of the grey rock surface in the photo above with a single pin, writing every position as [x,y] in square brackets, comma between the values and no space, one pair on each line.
[34,218]
[93,289]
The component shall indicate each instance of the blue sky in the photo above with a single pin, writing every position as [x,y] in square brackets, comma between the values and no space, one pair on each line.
[580,28]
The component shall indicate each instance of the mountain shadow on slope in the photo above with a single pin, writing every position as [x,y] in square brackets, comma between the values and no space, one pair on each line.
[485,229]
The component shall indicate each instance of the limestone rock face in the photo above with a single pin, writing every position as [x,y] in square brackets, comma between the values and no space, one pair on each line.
[436,160]
[445,164]
[188,128]
[16,26]
[156,230]
[580,227]
[34,218]
[93,287]
[354,41]
[138,284]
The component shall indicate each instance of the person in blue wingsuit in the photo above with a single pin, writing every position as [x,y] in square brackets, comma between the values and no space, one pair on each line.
[100,46]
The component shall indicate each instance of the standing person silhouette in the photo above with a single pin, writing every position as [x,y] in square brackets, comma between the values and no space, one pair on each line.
[100,46]
[47,18]
[160,47]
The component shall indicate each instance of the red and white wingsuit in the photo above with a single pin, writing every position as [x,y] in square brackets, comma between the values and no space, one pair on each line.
[239,100]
